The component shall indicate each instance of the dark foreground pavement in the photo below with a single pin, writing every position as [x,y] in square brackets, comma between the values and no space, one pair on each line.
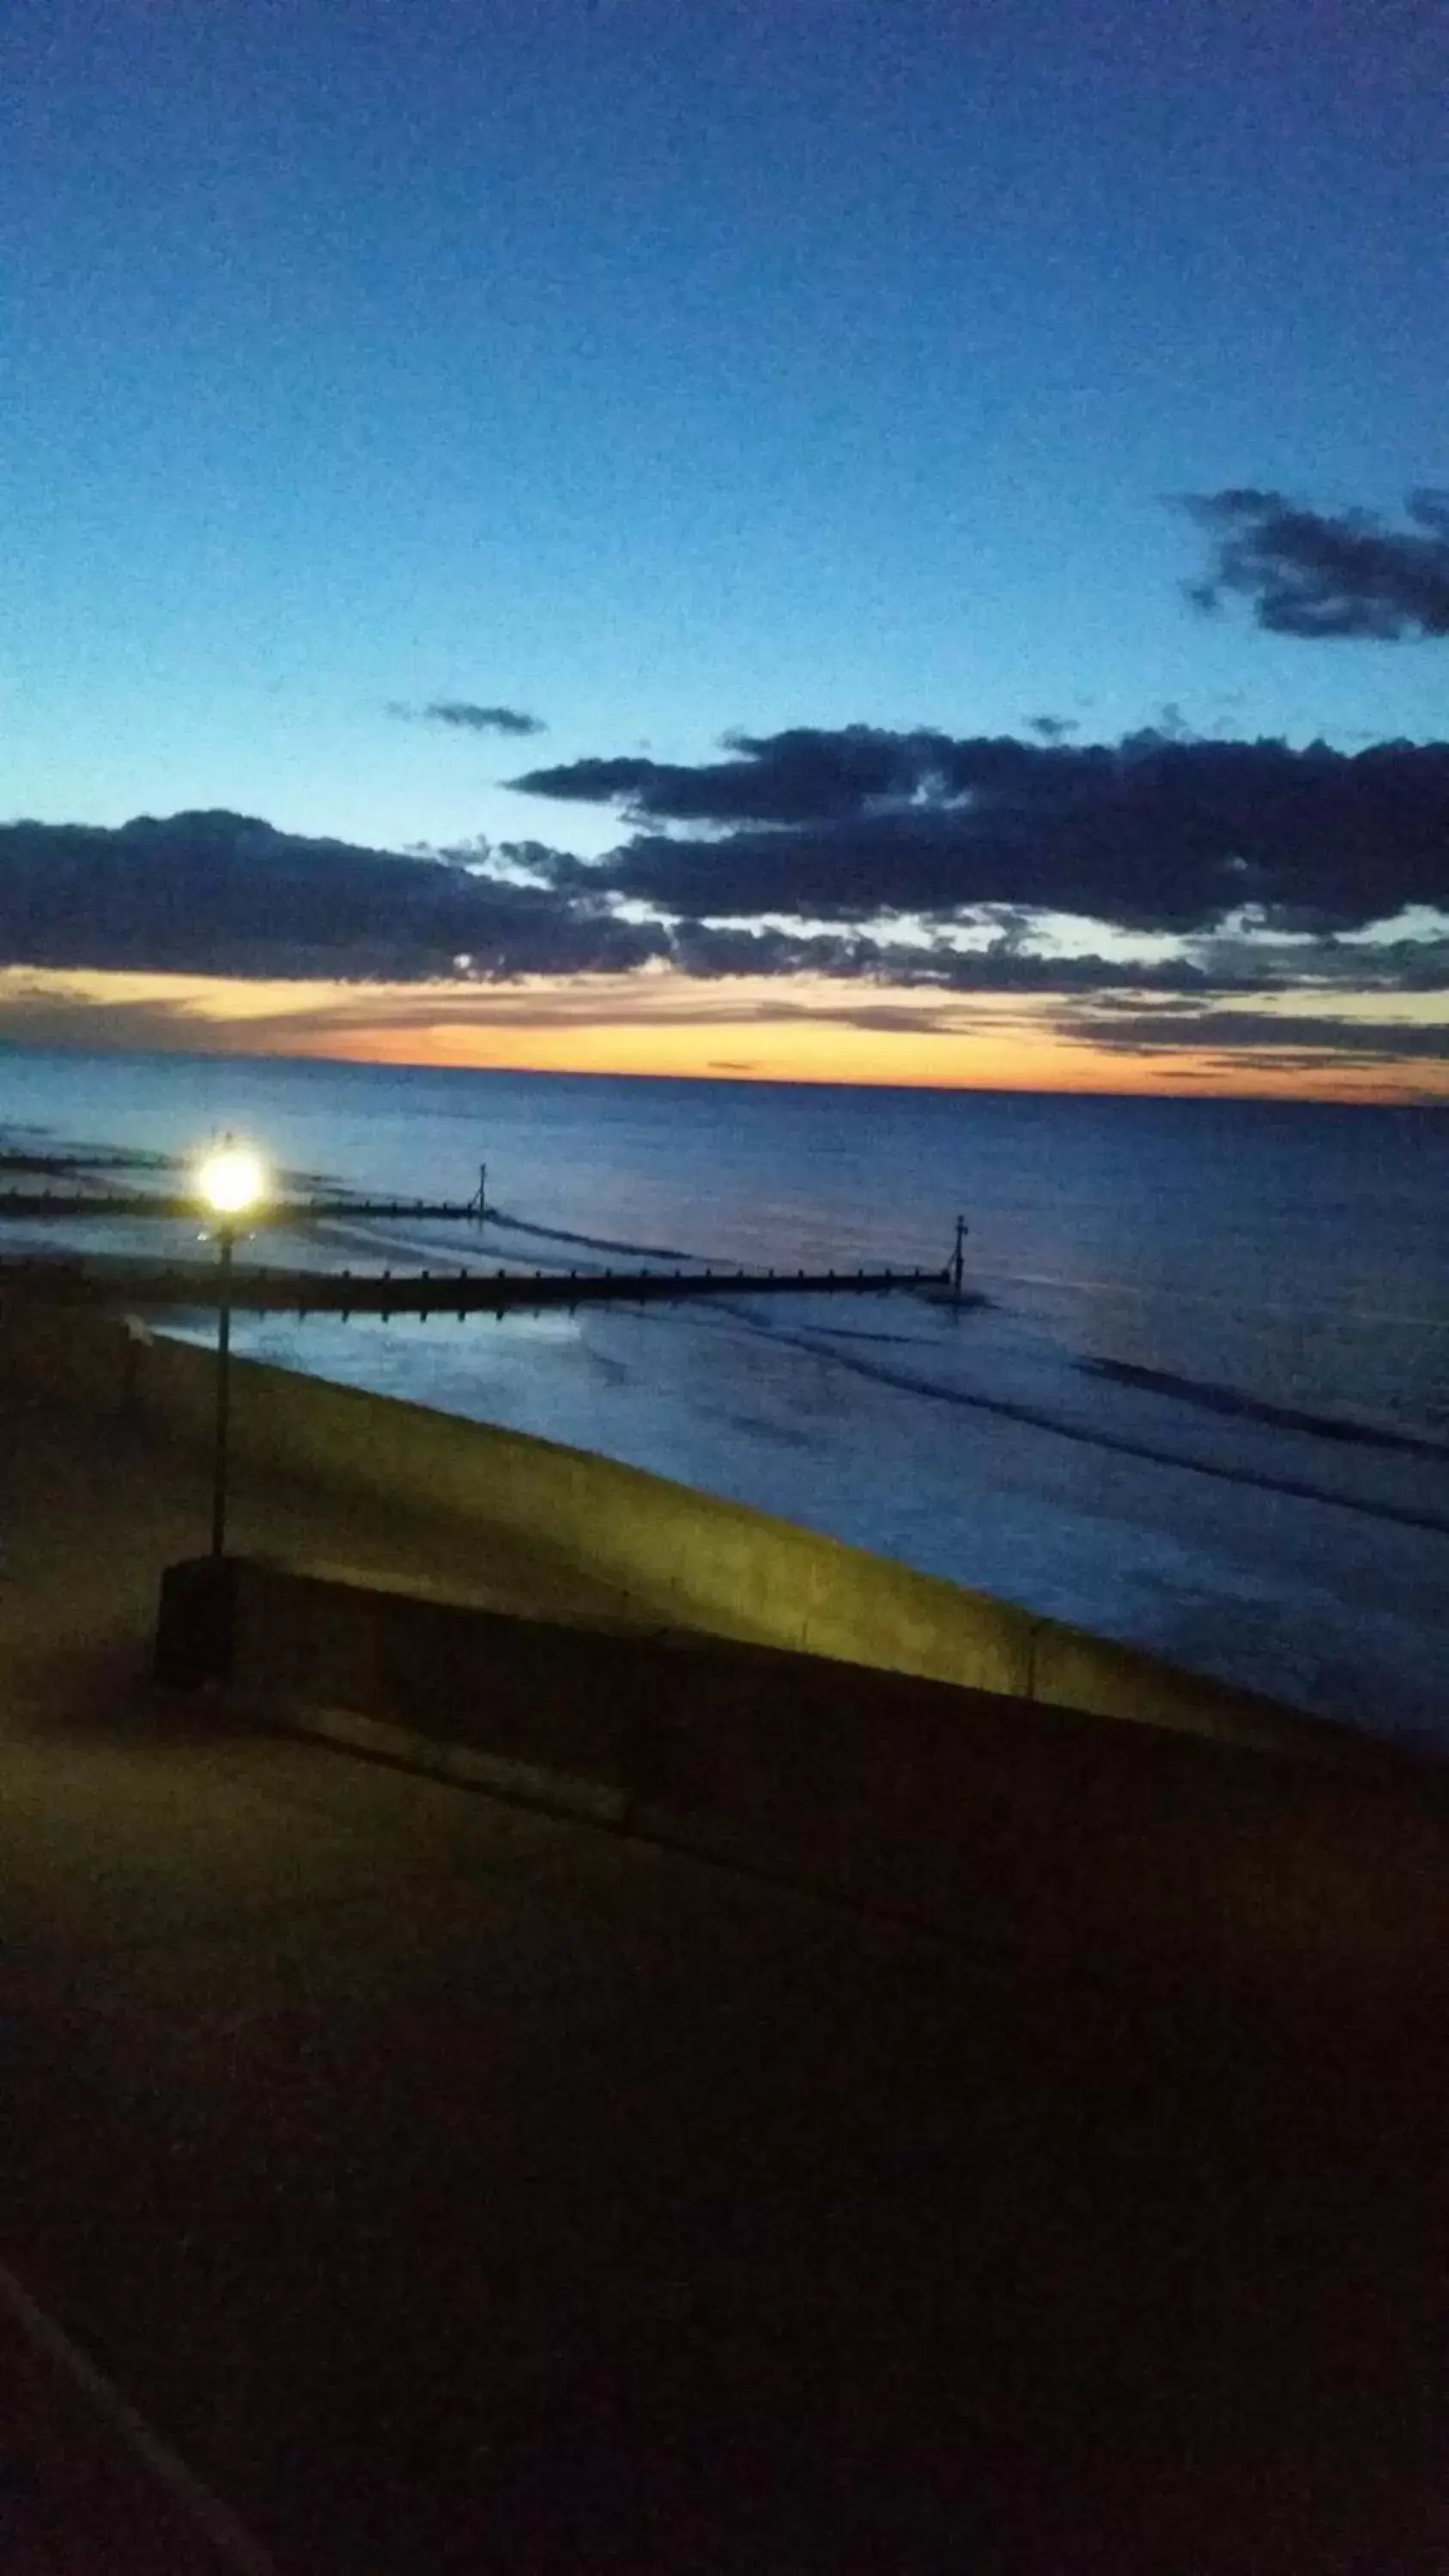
[452,2189]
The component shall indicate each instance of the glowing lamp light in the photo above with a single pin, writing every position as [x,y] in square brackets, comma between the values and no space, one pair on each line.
[232,1180]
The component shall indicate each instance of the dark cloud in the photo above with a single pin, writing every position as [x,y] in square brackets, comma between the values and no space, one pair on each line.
[1247,959]
[1316,573]
[464,717]
[1404,965]
[1157,1028]
[590,782]
[803,776]
[1155,833]
[711,950]
[1052,728]
[224,894]
[220,894]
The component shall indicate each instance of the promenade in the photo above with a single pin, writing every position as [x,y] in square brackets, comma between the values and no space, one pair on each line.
[445,2187]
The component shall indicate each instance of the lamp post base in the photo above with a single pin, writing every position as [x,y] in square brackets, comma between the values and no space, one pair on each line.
[195,1623]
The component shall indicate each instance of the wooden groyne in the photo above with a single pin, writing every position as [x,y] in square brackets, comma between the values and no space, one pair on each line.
[431,1292]
[22,1205]
[103,1279]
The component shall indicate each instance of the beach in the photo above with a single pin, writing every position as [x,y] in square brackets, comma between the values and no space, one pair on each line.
[1198,1402]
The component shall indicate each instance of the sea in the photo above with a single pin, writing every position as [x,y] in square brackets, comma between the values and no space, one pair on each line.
[1195,1395]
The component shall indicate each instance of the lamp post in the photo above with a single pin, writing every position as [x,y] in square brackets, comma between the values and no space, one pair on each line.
[231,1181]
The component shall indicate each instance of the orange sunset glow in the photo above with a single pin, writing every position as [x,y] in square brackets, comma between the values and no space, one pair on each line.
[741,1028]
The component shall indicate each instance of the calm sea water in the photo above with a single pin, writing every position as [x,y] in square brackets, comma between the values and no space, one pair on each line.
[1202,1406]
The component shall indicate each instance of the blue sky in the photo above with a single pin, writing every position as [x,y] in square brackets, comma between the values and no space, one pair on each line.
[660,369]
[665,367]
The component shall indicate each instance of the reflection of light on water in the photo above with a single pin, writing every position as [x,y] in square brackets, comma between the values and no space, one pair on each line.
[434,1346]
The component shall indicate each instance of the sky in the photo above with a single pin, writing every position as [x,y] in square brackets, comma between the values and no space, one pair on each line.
[893,540]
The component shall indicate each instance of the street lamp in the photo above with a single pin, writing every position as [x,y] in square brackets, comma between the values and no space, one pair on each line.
[231,1181]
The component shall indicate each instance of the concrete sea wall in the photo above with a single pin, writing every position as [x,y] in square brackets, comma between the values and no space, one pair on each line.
[1036,1833]
[1010,1810]
[683,1559]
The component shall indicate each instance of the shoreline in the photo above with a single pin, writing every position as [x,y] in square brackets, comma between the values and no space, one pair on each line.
[676,1554]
